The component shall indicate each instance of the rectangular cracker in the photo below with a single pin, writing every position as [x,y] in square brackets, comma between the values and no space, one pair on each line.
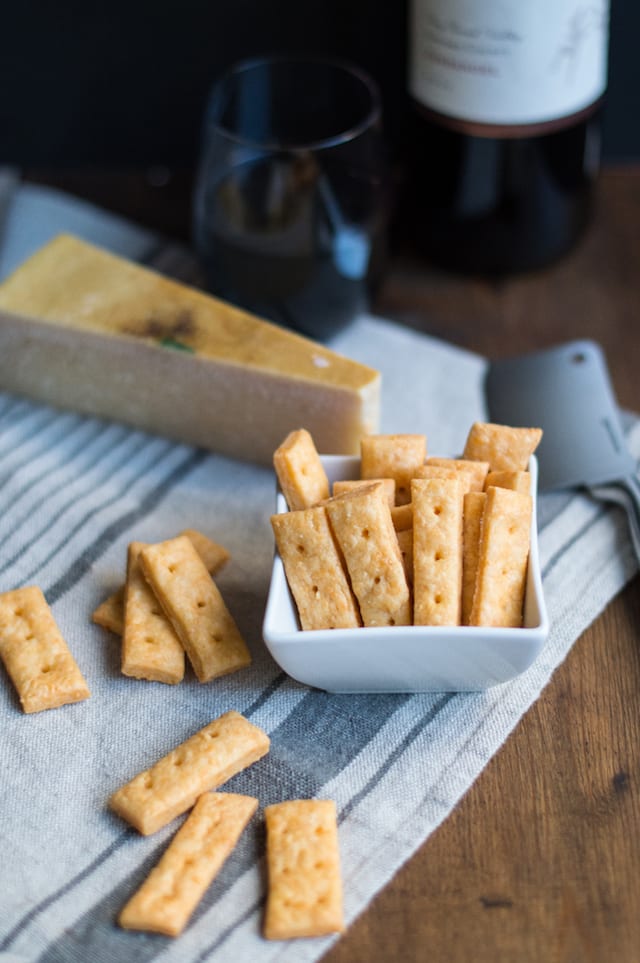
[405,542]
[361,522]
[203,762]
[110,613]
[347,485]
[504,447]
[402,517]
[503,558]
[315,570]
[303,866]
[471,525]
[35,654]
[440,471]
[477,469]
[517,481]
[393,456]
[437,550]
[151,648]
[300,472]
[194,857]
[194,606]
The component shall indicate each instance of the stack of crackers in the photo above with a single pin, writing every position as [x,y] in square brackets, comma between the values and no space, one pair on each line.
[169,606]
[416,540]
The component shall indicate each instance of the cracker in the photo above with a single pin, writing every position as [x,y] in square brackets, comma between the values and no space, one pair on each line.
[315,570]
[504,447]
[437,550]
[441,471]
[477,469]
[175,886]
[35,654]
[150,647]
[347,485]
[303,865]
[194,606]
[471,525]
[300,472]
[203,762]
[361,522]
[503,557]
[405,543]
[517,481]
[393,456]
[110,613]
[402,517]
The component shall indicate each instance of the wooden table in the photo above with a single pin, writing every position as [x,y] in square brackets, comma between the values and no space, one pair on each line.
[540,862]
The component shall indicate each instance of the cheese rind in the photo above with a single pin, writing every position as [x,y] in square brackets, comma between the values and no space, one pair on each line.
[83,329]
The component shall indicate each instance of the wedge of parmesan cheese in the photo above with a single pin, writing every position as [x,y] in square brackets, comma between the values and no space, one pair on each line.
[83,329]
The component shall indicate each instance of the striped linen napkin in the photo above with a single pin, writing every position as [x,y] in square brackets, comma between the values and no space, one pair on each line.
[73,492]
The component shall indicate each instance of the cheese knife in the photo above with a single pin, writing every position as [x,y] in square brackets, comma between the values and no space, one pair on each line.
[567,391]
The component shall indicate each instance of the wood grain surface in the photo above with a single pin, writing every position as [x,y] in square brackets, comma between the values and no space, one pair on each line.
[540,862]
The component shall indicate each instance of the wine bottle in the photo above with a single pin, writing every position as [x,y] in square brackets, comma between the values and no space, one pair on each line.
[505,144]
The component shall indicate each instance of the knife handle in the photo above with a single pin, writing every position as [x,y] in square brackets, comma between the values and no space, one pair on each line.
[624,492]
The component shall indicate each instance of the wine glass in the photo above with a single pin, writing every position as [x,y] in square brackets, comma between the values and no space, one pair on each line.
[290,197]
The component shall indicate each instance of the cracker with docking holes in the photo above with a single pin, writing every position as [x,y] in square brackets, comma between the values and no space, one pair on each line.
[504,447]
[440,471]
[194,606]
[300,471]
[517,481]
[477,469]
[393,456]
[314,570]
[471,526]
[110,613]
[194,857]
[203,762]
[503,556]
[361,522]
[150,647]
[437,550]
[35,654]
[303,866]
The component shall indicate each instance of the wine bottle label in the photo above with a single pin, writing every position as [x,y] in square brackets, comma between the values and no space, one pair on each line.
[508,62]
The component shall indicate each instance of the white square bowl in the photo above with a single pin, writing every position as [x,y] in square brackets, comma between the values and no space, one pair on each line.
[403,658]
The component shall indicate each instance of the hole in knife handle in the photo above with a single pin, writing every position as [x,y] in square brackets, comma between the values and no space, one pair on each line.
[579,357]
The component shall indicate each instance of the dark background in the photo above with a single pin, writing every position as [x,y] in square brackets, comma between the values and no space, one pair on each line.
[124,84]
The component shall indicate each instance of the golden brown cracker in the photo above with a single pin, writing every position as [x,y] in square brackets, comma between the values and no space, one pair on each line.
[35,654]
[203,762]
[303,865]
[504,447]
[437,550]
[347,485]
[503,557]
[361,522]
[300,472]
[517,481]
[477,469]
[315,571]
[110,613]
[194,606]
[405,542]
[472,522]
[393,456]
[402,517]
[175,886]
[151,648]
